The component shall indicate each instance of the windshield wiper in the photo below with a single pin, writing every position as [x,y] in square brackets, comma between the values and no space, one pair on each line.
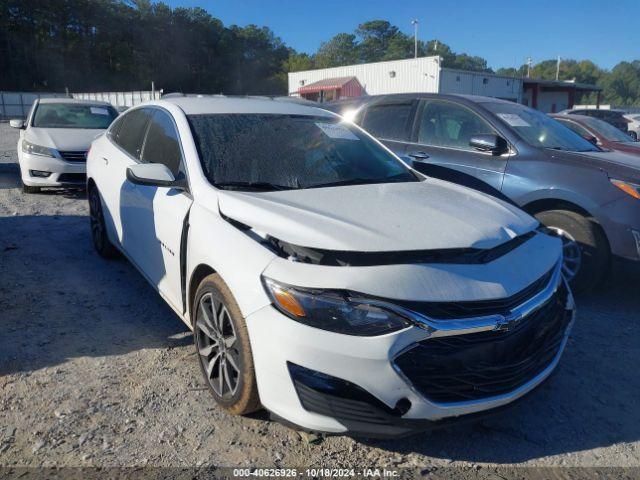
[263,186]
[366,181]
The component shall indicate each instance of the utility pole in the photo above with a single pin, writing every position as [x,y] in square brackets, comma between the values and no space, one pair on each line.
[415,37]
[529,64]
[558,69]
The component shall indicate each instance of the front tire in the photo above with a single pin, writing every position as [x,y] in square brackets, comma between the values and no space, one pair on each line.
[585,248]
[101,241]
[223,348]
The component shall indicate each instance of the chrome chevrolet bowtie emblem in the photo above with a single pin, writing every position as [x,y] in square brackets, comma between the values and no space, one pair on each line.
[508,322]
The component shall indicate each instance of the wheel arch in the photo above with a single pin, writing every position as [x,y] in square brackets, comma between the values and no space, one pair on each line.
[199,273]
[546,204]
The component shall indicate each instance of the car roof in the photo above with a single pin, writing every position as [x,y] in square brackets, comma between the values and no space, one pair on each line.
[78,101]
[570,116]
[222,104]
[599,110]
[417,95]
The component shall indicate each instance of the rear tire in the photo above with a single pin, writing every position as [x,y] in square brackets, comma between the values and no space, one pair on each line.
[28,189]
[101,241]
[223,348]
[586,251]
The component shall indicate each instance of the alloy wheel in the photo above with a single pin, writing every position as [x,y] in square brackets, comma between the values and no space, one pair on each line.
[96,218]
[216,343]
[571,252]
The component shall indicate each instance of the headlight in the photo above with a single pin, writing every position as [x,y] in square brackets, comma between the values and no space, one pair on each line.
[627,187]
[333,310]
[33,149]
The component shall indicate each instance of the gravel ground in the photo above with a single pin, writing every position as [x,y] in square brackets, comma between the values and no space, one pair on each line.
[96,370]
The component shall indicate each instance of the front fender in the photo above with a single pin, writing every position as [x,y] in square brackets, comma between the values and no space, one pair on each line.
[236,255]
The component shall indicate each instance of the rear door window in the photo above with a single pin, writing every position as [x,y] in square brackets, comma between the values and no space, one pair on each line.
[162,144]
[389,121]
[131,133]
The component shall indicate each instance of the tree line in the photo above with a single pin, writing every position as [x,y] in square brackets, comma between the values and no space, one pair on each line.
[99,45]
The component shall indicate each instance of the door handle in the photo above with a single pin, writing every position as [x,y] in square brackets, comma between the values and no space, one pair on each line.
[105,160]
[419,155]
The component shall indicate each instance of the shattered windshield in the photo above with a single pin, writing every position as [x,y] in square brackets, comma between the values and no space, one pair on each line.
[282,152]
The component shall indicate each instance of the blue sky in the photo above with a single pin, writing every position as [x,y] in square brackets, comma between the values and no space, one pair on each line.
[503,32]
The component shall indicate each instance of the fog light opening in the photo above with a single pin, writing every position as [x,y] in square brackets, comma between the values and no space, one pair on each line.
[403,406]
[39,173]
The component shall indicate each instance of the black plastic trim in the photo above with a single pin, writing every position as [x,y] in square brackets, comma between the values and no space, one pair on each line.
[387,422]
[183,260]
[364,259]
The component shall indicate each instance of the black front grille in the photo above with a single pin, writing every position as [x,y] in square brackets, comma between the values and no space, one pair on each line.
[74,156]
[458,310]
[486,364]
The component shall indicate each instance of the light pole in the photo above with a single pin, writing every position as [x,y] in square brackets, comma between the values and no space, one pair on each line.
[415,37]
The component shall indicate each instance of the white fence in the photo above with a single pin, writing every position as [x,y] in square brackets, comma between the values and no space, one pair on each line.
[17,104]
[117,99]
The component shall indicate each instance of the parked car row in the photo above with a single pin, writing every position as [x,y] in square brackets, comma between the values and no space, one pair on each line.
[617,118]
[342,288]
[600,133]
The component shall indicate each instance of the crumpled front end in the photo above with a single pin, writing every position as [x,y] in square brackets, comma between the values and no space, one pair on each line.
[478,336]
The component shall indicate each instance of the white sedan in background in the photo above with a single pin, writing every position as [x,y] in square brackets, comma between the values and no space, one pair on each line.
[634,124]
[323,278]
[53,144]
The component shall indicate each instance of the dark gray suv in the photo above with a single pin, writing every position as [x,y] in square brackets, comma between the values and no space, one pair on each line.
[589,197]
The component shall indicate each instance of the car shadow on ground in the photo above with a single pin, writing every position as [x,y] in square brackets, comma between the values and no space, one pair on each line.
[9,175]
[59,300]
[592,401]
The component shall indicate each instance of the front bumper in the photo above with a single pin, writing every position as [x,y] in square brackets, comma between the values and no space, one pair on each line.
[62,173]
[388,403]
[621,222]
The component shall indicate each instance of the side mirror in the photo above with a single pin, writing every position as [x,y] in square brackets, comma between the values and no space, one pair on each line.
[489,143]
[154,175]
[591,139]
[17,123]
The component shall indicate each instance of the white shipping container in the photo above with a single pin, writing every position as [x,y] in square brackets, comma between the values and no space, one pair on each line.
[414,75]
[397,76]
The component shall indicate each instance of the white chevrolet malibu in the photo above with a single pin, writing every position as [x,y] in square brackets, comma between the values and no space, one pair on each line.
[324,279]
[54,140]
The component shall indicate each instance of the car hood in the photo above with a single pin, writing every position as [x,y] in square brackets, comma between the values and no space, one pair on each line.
[632,148]
[615,164]
[381,217]
[63,139]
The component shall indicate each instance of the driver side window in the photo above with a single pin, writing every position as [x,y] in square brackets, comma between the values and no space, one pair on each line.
[445,124]
[162,144]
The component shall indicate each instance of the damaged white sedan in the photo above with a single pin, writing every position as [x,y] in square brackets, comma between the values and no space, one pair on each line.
[324,279]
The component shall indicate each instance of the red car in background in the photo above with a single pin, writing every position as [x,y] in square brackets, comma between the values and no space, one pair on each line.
[600,133]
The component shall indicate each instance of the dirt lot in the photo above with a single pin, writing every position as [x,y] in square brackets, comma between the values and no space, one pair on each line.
[96,371]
